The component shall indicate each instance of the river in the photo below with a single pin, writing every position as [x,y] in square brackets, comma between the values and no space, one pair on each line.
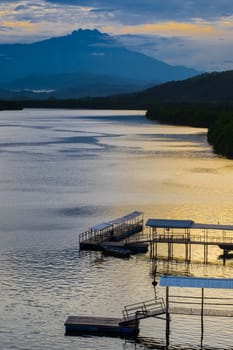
[62,171]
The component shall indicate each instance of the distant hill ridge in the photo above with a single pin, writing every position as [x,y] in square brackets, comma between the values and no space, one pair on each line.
[215,87]
[209,88]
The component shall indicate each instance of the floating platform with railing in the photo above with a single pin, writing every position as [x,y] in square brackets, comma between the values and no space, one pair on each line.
[114,231]
[194,305]
[110,237]
[127,326]
[172,232]
[187,304]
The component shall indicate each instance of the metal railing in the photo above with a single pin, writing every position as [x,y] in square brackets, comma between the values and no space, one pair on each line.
[212,306]
[148,308]
[181,238]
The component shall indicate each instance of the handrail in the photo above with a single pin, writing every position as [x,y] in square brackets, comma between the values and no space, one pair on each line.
[212,302]
[143,309]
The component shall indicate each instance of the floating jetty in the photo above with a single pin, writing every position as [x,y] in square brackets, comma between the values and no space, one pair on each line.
[191,305]
[108,236]
[172,232]
[111,238]
[126,327]
[196,305]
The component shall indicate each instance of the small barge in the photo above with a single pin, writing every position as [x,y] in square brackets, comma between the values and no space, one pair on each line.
[79,325]
[116,251]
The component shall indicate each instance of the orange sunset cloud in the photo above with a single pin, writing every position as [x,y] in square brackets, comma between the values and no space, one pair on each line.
[174,28]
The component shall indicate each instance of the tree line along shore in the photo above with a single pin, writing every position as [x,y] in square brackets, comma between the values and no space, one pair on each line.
[217,118]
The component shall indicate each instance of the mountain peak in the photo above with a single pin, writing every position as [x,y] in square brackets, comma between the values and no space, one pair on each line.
[86,34]
[82,31]
[84,50]
[89,37]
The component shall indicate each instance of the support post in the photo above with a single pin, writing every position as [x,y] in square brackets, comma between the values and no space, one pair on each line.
[167,319]
[202,316]
[205,253]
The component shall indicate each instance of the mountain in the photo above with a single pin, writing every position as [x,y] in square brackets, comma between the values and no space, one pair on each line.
[83,51]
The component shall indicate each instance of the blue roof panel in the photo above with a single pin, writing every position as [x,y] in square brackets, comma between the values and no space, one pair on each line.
[126,218]
[101,226]
[163,223]
[196,282]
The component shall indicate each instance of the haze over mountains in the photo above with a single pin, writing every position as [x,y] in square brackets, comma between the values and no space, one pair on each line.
[84,63]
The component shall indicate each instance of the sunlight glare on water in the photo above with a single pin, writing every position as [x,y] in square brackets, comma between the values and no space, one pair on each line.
[63,171]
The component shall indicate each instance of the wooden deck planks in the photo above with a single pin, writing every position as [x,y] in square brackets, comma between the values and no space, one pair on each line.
[86,320]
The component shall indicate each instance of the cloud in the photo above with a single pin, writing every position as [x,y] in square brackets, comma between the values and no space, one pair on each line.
[136,11]
[205,55]
[186,32]
[28,20]
[176,28]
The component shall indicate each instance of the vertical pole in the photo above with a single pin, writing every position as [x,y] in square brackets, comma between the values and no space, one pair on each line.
[189,246]
[225,252]
[204,248]
[167,318]
[202,316]
[150,239]
[205,253]
[186,252]
[169,250]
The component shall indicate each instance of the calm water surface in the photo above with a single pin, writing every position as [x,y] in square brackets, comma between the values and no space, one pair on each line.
[62,171]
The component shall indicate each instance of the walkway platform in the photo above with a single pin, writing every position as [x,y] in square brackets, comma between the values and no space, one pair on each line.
[172,232]
[198,305]
[127,327]
[109,235]
[199,312]
[113,231]
[78,325]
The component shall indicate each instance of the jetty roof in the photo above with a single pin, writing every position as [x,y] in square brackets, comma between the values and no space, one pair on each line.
[163,223]
[126,218]
[101,226]
[213,227]
[196,282]
[123,219]
[189,224]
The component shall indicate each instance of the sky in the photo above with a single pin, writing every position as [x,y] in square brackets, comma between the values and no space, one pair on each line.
[196,34]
